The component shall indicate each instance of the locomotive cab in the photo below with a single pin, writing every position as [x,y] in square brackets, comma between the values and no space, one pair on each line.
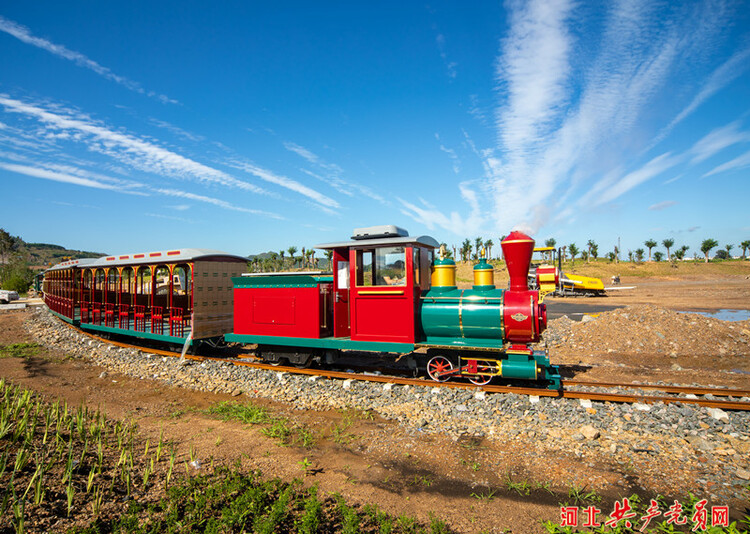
[378,278]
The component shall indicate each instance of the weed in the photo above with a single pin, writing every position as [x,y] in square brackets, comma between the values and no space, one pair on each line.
[19,350]
[279,429]
[485,496]
[246,413]
[305,464]
[522,488]
[340,433]
[579,495]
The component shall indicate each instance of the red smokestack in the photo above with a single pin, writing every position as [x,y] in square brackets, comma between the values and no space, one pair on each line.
[517,249]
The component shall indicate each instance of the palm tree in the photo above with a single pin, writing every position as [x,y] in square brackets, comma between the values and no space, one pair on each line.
[303,257]
[573,253]
[617,254]
[650,243]
[744,246]
[291,251]
[638,255]
[658,255]
[488,245]
[465,249]
[728,249]
[478,244]
[590,246]
[668,243]
[707,245]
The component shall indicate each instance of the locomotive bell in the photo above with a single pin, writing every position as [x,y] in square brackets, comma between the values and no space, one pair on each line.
[518,249]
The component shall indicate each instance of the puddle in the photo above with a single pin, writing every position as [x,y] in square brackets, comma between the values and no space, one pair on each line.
[724,315]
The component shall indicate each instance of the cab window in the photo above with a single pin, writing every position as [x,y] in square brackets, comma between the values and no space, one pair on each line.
[385,266]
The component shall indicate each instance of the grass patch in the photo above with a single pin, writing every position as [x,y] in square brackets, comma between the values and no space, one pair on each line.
[20,350]
[279,428]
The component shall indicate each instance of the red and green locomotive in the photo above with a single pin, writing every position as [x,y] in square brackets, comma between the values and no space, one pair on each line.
[389,293]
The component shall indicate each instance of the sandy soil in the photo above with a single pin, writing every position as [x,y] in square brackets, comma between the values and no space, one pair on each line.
[378,461]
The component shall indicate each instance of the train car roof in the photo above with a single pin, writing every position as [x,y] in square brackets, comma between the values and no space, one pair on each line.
[364,243]
[162,256]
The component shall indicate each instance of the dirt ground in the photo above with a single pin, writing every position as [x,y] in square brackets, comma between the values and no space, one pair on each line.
[376,461]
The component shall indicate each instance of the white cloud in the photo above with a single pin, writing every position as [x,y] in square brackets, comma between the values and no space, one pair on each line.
[332,173]
[722,76]
[662,205]
[718,140]
[126,148]
[214,201]
[23,34]
[47,174]
[285,182]
[739,162]
[653,168]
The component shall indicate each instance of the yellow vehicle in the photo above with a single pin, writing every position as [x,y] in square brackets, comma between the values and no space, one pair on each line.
[547,276]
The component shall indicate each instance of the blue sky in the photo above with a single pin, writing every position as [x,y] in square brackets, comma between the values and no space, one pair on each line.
[250,127]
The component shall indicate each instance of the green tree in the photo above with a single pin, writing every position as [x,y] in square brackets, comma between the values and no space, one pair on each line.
[668,243]
[658,255]
[592,248]
[291,250]
[679,254]
[744,246]
[707,245]
[573,249]
[639,255]
[729,248]
[610,256]
[465,249]
[650,243]
[448,252]
[630,256]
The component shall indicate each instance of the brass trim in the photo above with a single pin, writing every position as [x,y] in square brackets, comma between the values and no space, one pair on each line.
[388,292]
[518,241]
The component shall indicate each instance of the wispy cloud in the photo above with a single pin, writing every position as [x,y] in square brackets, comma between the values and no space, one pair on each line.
[215,201]
[283,181]
[450,66]
[23,34]
[718,140]
[431,217]
[653,168]
[451,154]
[571,133]
[127,148]
[662,205]
[740,162]
[331,173]
[46,174]
[722,76]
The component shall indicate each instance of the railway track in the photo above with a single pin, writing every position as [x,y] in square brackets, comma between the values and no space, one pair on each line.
[675,394]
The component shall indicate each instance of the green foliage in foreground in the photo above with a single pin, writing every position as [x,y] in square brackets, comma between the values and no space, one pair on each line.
[75,466]
[229,501]
[19,350]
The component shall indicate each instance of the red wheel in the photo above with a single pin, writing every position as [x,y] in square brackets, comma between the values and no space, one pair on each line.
[482,380]
[437,366]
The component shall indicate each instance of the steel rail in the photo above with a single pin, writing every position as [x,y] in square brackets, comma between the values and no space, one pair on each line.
[695,390]
[519,390]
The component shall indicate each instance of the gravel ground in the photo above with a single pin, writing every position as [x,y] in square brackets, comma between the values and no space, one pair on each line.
[664,447]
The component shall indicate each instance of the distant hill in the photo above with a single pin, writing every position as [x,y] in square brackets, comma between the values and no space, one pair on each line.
[45,254]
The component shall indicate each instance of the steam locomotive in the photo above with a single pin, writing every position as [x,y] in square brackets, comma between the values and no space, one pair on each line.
[387,292]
